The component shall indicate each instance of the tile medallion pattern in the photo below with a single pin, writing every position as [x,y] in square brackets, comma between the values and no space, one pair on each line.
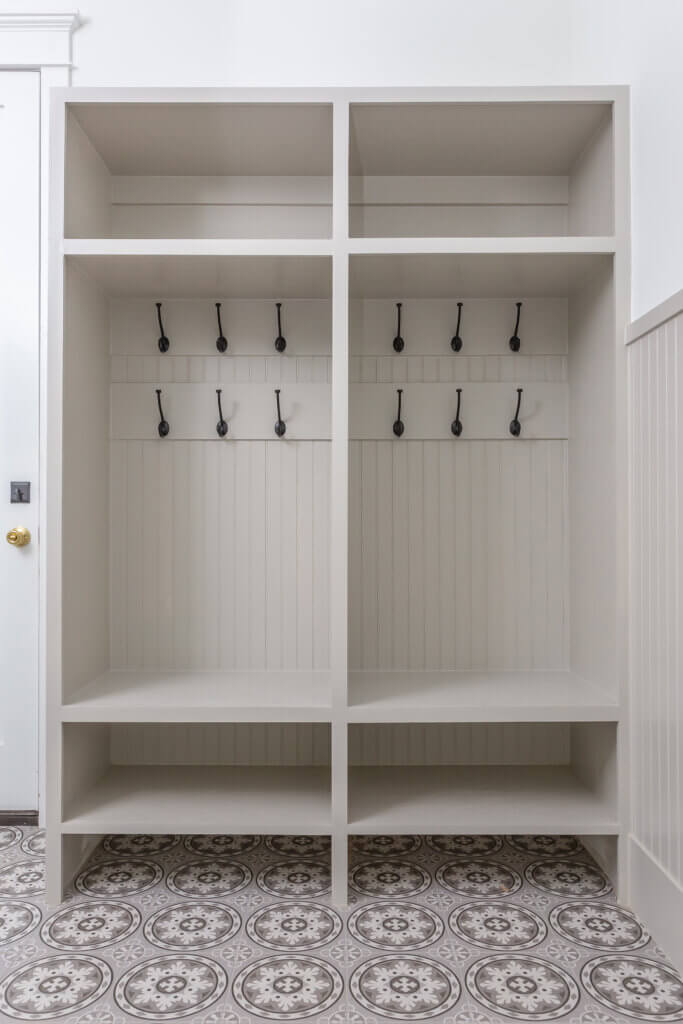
[231,929]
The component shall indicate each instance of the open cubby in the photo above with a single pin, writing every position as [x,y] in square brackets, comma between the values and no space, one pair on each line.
[196,567]
[198,170]
[478,169]
[148,778]
[338,629]
[481,779]
[482,567]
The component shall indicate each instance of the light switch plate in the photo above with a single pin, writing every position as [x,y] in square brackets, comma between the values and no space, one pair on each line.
[20,492]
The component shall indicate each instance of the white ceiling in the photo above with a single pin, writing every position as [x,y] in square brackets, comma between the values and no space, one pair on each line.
[210,138]
[471,138]
[244,277]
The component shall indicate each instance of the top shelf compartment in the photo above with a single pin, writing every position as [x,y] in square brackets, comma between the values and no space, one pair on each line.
[198,170]
[494,170]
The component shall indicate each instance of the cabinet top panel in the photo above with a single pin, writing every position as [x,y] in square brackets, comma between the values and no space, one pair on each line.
[438,138]
[209,138]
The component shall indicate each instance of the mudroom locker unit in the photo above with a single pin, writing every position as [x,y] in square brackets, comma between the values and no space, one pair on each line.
[336,512]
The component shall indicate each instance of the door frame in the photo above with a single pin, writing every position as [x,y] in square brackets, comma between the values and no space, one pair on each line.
[41,42]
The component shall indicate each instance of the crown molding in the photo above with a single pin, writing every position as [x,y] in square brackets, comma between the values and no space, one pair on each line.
[37,40]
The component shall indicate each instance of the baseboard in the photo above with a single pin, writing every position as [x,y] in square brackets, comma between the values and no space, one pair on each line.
[18,817]
[657,898]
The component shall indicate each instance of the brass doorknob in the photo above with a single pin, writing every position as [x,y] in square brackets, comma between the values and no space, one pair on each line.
[19,536]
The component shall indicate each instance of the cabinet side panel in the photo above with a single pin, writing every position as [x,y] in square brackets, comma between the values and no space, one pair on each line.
[85,486]
[593,481]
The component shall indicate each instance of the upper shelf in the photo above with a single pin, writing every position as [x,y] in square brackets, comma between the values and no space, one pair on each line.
[481,169]
[263,170]
[198,170]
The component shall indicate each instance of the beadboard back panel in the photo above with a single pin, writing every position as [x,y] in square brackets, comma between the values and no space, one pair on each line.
[655,393]
[220,547]
[220,555]
[309,744]
[458,555]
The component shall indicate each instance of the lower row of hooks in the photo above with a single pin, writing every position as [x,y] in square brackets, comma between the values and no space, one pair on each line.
[456,426]
[280,427]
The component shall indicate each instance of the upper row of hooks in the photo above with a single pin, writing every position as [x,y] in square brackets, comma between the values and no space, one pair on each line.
[221,340]
[456,341]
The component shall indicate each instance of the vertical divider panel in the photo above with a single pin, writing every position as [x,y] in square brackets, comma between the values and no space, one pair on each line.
[339,499]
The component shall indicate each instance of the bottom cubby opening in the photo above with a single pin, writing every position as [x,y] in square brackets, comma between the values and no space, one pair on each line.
[198,778]
[516,778]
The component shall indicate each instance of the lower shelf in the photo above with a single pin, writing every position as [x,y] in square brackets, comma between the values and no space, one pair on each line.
[142,798]
[476,799]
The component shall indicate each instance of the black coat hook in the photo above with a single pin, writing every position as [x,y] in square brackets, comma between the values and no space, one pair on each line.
[163,427]
[221,426]
[515,425]
[280,342]
[456,425]
[280,425]
[164,343]
[221,340]
[399,426]
[456,340]
[514,340]
[398,342]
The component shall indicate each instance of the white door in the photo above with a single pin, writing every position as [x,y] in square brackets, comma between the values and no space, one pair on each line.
[19,393]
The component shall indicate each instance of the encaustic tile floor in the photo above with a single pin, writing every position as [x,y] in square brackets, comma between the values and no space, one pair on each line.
[233,929]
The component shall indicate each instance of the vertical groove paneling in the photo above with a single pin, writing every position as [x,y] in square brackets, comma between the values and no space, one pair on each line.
[655,385]
[504,743]
[264,743]
[220,555]
[458,555]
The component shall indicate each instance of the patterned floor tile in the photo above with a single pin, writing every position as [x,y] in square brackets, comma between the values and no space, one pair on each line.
[239,929]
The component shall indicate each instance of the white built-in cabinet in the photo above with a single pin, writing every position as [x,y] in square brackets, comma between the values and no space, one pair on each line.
[339,630]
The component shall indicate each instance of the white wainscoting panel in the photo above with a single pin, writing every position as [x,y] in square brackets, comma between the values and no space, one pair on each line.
[458,555]
[655,384]
[220,555]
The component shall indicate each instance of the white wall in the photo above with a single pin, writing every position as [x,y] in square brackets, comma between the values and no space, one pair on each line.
[423,42]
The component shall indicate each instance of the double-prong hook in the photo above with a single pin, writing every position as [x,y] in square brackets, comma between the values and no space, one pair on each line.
[163,427]
[515,425]
[164,343]
[280,342]
[456,340]
[398,342]
[221,426]
[456,425]
[221,340]
[399,426]
[515,340]
[280,425]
